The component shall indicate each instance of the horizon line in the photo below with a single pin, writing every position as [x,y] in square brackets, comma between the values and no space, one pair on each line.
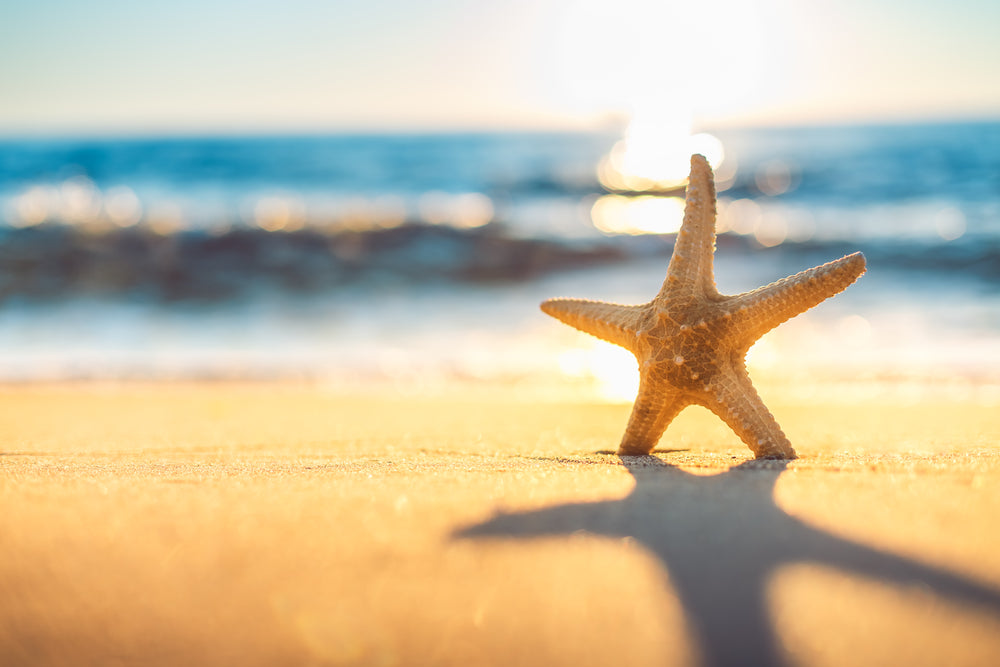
[616,125]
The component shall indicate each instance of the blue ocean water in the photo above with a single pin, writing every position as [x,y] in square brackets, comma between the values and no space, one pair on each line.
[423,257]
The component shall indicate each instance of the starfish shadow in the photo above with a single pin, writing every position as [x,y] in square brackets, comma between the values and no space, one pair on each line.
[721,538]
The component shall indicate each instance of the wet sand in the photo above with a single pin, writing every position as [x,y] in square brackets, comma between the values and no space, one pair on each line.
[220,524]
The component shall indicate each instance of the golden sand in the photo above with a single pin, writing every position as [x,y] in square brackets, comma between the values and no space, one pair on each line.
[272,524]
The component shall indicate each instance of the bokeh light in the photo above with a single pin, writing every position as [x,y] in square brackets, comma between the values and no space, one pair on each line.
[774,177]
[33,206]
[618,214]
[466,210]
[277,214]
[950,223]
[122,206]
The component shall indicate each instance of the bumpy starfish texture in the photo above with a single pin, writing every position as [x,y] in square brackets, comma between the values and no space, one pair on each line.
[690,341]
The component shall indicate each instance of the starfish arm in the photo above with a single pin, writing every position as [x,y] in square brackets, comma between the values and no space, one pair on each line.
[655,407]
[733,398]
[691,262]
[608,321]
[761,310]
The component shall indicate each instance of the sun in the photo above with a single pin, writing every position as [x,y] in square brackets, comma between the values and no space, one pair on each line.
[653,61]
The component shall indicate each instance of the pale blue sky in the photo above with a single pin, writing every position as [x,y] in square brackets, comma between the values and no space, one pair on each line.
[112,66]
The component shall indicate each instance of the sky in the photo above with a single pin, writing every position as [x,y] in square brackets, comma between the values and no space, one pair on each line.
[118,66]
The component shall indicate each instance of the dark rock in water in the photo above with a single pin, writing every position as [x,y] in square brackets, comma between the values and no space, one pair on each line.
[59,261]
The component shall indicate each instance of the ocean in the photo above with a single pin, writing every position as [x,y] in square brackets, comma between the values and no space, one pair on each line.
[418,261]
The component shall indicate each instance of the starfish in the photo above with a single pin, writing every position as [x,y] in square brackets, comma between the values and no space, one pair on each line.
[691,341]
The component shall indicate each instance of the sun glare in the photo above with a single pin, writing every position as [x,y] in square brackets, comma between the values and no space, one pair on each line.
[616,214]
[662,67]
[612,369]
[654,61]
[655,154]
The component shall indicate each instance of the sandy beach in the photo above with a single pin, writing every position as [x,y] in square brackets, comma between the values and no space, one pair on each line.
[272,524]
[320,332]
